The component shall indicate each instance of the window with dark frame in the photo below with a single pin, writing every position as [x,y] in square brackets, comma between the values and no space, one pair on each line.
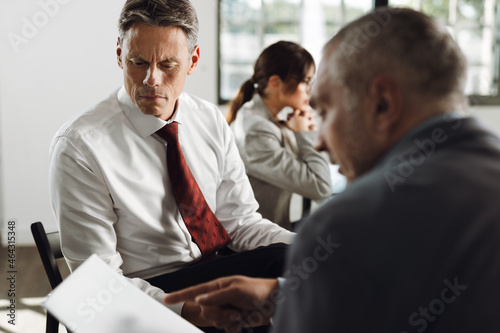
[475,26]
[246,27]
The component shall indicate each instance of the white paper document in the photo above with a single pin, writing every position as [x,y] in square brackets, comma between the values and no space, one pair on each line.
[96,299]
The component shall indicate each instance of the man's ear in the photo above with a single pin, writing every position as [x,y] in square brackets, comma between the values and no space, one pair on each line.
[119,53]
[195,59]
[385,103]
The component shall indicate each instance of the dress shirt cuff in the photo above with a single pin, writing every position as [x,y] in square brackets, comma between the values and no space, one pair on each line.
[177,308]
[281,282]
[282,236]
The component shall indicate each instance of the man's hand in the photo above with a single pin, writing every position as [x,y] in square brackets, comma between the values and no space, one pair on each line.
[192,313]
[230,303]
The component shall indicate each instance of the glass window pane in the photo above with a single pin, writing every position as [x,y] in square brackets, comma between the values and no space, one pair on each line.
[321,19]
[240,42]
[248,26]
[473,23]
[281,21]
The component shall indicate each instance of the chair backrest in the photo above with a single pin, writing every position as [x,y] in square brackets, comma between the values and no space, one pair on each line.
[49,248]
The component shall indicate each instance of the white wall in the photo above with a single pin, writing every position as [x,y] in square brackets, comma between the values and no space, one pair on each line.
[489,115]
[57,57]
[50,72]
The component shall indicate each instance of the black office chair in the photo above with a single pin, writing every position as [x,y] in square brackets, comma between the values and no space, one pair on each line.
[49,248]
[306,207]
[306,211]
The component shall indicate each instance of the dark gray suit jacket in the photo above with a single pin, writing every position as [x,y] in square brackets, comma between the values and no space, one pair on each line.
[412,246]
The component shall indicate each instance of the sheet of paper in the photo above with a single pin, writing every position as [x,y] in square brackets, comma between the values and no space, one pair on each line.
[96,299]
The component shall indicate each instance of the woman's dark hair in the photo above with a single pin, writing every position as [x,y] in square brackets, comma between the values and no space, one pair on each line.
[288,60]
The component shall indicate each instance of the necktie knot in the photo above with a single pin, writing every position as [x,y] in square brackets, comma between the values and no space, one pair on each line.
[169,132]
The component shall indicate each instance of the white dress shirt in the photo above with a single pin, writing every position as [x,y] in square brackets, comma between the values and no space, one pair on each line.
[112,196]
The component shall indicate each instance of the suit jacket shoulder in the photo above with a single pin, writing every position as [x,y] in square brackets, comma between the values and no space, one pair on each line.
[413,245]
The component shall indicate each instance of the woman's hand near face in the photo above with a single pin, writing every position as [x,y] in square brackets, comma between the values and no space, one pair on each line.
[302,120]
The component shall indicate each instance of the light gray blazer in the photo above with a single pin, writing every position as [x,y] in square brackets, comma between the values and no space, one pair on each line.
[279,162]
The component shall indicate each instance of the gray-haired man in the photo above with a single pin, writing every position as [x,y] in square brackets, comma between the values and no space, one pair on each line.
[413,243]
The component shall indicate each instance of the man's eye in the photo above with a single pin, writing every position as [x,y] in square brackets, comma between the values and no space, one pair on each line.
[168,65]
[138,63]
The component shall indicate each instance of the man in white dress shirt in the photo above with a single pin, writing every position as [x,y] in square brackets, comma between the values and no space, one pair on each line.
[109,183]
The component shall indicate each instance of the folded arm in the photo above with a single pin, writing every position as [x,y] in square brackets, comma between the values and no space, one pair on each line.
[307,174]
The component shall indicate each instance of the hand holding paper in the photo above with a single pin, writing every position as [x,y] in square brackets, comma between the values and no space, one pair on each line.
[96,299]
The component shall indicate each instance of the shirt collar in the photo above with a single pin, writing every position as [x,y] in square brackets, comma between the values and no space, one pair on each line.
[146,125]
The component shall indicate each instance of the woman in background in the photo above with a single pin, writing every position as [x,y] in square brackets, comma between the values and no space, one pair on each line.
[278,152]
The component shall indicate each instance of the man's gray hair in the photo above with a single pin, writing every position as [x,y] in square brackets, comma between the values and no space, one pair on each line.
[161,13]
[416,49]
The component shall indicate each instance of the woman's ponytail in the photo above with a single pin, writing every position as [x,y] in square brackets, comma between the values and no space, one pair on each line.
[245,93]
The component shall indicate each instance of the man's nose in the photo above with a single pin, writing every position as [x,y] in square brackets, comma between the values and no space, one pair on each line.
[153,76]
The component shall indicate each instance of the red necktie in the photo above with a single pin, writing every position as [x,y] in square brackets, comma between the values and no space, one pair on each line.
[203,225]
